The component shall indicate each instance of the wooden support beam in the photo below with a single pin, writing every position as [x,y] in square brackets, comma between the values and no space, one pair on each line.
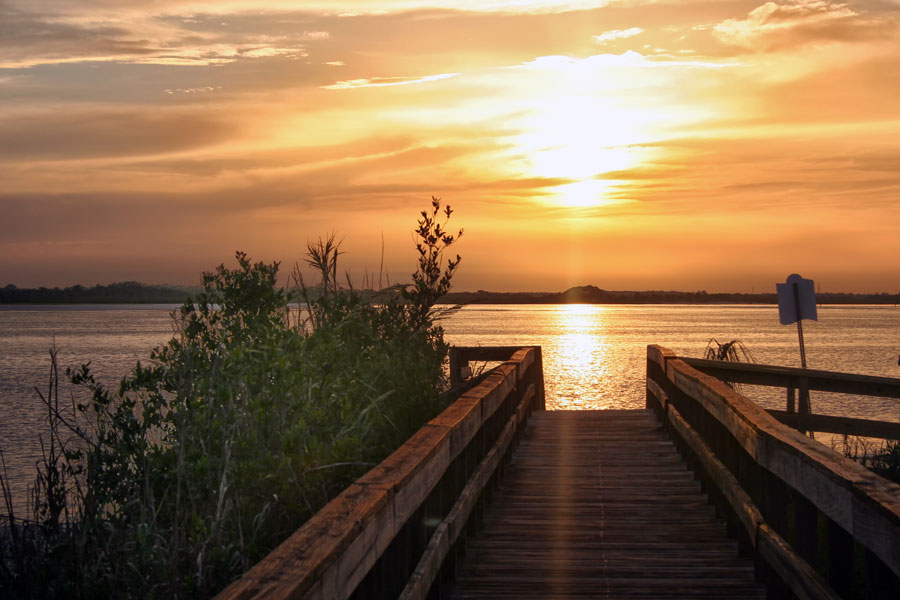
[776,376]
[840,425]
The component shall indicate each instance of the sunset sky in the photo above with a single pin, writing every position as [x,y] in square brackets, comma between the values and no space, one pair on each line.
[631,144]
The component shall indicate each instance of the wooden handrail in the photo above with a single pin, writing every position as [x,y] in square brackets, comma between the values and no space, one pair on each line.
[839,425]
[777,467]
[777,376]
[461,356]
[378,536]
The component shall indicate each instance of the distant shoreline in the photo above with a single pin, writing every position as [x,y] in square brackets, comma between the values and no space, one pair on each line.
[137,294]
[127,292]
[593,295]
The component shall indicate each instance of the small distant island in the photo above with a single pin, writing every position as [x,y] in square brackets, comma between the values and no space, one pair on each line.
[133,292]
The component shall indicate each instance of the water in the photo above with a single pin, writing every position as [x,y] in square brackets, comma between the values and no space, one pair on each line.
[594,356]
[112,337]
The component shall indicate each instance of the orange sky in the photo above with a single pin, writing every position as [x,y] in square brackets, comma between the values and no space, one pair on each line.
[630,144]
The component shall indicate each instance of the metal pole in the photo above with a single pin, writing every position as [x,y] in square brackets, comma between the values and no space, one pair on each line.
[799,326]
[802,347]
[805,404]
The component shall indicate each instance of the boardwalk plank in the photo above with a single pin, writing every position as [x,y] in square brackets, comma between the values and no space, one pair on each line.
[598,504]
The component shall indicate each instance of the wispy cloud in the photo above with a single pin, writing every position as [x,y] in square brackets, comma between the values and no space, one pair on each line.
[195,90]
[629,59]
[617,34]
[30,39]
[386,81]
[793,22]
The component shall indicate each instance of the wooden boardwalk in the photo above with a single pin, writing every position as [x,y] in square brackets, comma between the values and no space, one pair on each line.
[598,504]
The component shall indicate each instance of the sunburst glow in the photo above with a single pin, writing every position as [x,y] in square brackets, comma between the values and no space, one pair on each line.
[578,130]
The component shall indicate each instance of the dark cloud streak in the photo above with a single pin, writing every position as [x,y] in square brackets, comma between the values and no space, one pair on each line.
[88,134]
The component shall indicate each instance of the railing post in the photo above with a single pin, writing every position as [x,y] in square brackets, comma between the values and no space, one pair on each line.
[840,559]
[805,408]
[455,365]
[806,529]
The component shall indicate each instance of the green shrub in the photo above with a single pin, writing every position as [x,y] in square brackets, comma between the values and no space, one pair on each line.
[244,424]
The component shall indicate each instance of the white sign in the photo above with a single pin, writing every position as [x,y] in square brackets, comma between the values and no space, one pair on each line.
[796,300]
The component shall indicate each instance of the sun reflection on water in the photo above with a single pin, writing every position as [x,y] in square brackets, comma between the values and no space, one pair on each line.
[583,355]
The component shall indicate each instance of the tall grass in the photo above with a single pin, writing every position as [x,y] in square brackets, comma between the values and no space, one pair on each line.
[732,351]
[880,456]
[237,431]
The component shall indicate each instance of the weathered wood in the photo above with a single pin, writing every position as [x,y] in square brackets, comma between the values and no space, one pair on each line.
[853,499]
[656,397]
[456,363]
[499,384]
[448,531]
[799,576]
[659,355]
[841,425]
[412,471]
[463,419]
[523,359]
[738,414]
[487,353]
[598,504]
[848,493]
[803,581]
[777,376]
[526,405]
[747,512]
[314,556]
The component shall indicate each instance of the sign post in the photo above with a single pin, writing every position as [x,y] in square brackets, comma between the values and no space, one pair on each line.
[797,301]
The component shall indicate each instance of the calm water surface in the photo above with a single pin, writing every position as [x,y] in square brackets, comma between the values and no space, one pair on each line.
[594,356]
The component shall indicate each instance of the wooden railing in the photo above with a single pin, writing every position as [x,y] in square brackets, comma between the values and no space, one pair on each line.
[804,380]
[819,524]
[397,531]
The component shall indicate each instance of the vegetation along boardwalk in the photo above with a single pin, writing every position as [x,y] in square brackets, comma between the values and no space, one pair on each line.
[498,498]
[598,504]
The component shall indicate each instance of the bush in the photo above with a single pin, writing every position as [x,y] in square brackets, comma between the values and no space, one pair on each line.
[245,424]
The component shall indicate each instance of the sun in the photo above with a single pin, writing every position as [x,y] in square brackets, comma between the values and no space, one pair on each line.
[584,194]
[582,141]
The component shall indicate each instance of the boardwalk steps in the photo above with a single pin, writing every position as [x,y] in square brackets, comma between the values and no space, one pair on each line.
[599,504]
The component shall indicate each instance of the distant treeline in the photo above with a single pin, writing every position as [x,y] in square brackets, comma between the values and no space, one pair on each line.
[126,292]
[134,292]
[589,294]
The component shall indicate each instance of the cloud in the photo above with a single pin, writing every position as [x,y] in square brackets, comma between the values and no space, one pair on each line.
[776,25]
[52,135]
[31,38]
[343,8]
[617,34]
[386,81]
[627,60]
[195,90]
